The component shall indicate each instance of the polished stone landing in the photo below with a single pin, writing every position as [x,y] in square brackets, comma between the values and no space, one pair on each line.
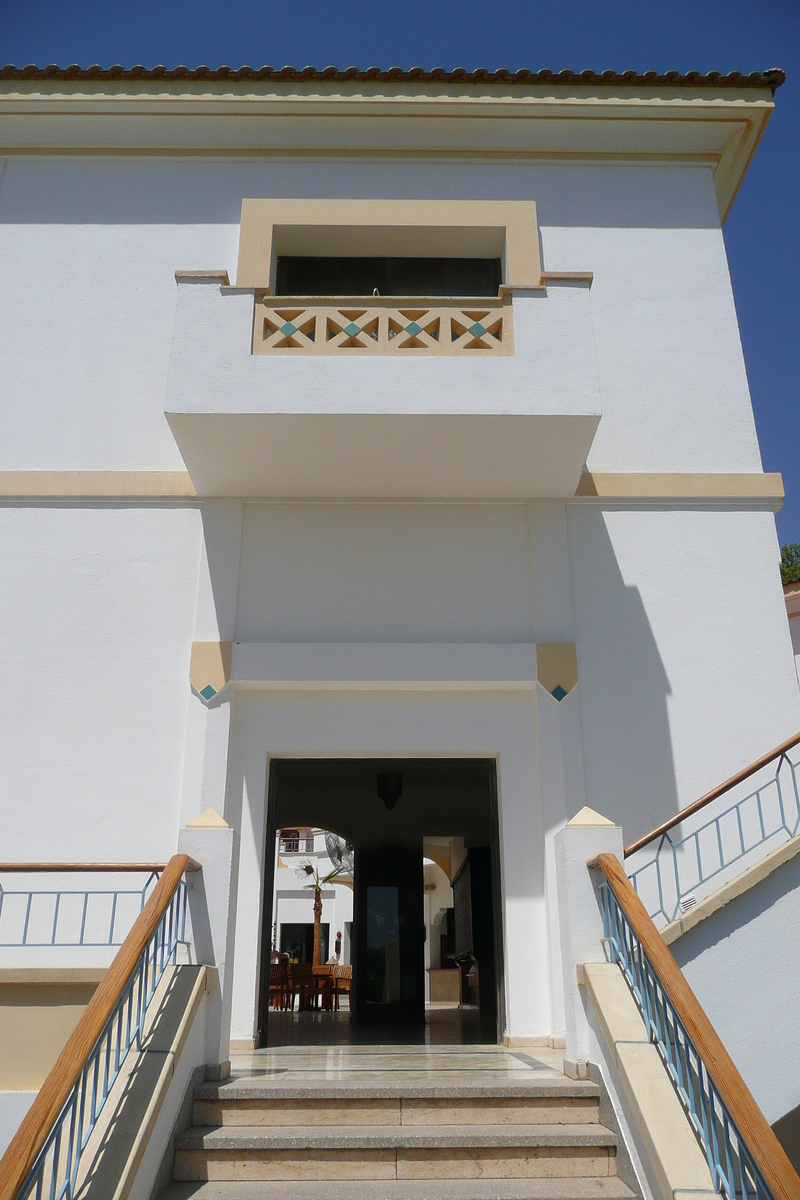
[371,1066]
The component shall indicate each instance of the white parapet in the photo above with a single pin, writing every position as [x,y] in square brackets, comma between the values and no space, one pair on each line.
[515,420]
[212,912]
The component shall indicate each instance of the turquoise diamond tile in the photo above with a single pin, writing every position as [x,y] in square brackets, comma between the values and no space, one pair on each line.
[352,329]
[288,329]
[477,330]
[558,692]
[208,692]
[413,328]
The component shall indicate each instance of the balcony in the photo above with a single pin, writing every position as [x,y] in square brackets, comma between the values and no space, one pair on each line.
[372,397]
[414,327]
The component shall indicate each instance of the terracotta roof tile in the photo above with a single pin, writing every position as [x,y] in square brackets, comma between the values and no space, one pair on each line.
[772,78]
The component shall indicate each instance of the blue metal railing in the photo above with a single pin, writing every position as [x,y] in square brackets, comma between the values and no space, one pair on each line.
[733,1169]
[66,917]
[682,866]
[54,1174]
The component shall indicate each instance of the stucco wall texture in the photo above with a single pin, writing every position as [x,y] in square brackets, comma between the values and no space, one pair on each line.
[92,245]
[685,663]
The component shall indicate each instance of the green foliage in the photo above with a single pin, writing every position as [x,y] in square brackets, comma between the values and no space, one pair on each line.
[309,870]
[790,563]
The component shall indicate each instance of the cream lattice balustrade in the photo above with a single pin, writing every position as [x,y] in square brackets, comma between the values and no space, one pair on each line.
[291,325]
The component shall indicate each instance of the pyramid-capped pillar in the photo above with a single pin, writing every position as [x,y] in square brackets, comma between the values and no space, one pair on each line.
[580,922]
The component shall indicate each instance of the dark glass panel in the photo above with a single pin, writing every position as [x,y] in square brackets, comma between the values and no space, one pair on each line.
[299,276]
[383,945]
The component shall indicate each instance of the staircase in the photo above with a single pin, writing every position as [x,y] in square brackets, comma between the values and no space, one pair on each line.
[430,1140]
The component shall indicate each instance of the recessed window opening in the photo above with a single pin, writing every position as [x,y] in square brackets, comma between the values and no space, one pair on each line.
[317,276]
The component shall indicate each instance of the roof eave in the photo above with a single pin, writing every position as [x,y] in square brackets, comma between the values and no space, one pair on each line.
[711,121]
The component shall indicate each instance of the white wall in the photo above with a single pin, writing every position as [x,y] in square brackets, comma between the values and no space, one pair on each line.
[438,898]
[98,606]
[684,658]
[672,378]
[374,572]
[683,648]
[794,630]
[91,245]
[13,1107]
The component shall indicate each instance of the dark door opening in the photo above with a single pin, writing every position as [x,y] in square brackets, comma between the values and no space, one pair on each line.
[425,945]
[473,927]
[389,975]
[297,941]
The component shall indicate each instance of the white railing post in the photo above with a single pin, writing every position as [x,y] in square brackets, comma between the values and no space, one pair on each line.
[580,920]
[212,912]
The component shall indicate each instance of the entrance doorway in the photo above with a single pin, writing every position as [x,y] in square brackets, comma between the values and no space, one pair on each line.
[417,843]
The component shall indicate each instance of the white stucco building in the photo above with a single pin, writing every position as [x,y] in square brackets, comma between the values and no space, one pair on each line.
[293,900]
[262,548]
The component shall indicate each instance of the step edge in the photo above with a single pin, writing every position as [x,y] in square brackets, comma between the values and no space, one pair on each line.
[414,1091]
[343,1137]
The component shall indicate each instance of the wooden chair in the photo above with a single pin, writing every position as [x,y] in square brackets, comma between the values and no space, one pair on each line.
[323,986]
[290,989]
[277,986]
[303,984]
[342,980]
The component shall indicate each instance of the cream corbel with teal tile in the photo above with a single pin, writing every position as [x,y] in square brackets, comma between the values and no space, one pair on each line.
[210,667]
[557,667]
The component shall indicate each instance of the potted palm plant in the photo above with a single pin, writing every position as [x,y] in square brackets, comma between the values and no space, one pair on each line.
[315,883]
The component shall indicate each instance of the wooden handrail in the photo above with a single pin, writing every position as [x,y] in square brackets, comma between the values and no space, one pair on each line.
[714,794]
[55,1091]
[764,1147]
[76,866]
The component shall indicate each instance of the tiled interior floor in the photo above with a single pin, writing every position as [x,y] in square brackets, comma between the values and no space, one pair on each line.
[443,1026]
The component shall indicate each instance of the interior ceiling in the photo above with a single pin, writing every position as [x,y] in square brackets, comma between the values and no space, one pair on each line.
[441,797]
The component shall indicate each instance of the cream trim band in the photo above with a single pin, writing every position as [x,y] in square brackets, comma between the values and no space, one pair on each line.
[741,486]
[698,485]
[504,229]
[387,666]
[74,484]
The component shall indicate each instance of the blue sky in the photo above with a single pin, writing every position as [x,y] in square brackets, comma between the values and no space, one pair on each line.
[761,233]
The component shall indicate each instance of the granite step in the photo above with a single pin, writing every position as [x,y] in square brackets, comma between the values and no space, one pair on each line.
[367,1152]
[550,1102]
[339,1087]
[604,1188]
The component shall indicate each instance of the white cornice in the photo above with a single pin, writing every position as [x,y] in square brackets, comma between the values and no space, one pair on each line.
[719,128]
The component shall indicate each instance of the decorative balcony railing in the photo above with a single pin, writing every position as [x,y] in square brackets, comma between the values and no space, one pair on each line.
[744,1157]
[382,325]
[37,917]
[682,861]
[43,1159]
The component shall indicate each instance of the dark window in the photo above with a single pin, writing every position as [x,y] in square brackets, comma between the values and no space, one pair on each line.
[290,840]
[298,941]
[390,276]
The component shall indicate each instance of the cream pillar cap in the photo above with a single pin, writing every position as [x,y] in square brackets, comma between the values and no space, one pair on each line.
[588,817]
[210,819]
